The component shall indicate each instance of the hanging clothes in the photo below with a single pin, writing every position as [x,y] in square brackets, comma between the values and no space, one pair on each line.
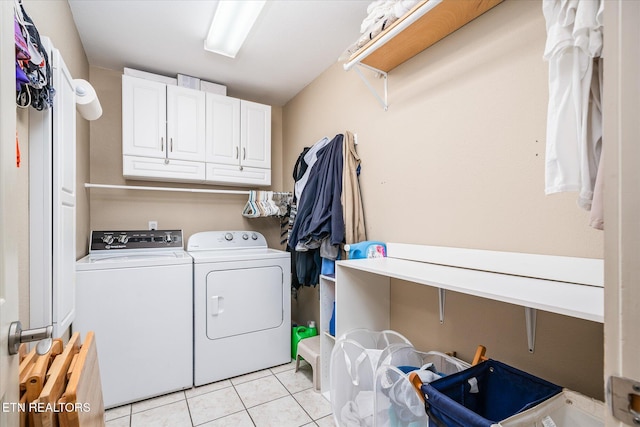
[319,229]
[309,158]
[38,91]
[596,216]
[352,209]
[298,171]
[594,134]
[574,117]
[329,208]
[319,208]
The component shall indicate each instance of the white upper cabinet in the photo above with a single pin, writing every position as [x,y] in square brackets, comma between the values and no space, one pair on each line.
[174,133]
[144,117]
[163,131]
[255,135]
[223,129]
[238,141]
[185,123]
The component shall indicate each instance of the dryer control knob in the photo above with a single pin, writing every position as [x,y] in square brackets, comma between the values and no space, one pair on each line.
[108,239]
[123,238]
[228,237]
[254,236]
[245,236]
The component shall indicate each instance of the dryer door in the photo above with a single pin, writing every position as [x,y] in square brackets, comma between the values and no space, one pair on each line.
[243,300]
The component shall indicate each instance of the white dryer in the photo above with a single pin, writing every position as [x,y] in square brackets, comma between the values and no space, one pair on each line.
[242,304]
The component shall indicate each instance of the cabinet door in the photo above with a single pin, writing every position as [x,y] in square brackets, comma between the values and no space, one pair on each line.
[144,112]
[255,135]
[223,129]
[185,123]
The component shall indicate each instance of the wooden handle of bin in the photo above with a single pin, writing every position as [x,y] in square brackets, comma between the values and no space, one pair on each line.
[479,357]
[417,383]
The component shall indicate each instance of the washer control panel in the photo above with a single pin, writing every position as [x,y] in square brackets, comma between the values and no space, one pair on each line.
[135,239]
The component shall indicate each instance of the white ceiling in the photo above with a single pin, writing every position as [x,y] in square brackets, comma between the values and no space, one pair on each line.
[292,42]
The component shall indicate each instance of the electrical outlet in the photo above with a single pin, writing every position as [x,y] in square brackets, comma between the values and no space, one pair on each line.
[153,225]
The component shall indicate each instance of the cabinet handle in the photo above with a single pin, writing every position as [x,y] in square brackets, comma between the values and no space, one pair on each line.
[161,143]
[236,152]
[171,145]
[244,153]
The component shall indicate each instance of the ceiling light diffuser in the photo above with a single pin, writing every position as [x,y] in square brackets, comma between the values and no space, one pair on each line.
[231,25]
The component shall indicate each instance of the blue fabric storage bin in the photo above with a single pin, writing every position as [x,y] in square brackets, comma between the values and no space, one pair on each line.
[500,391]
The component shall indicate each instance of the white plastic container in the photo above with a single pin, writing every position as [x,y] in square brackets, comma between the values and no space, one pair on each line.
[567,409]
[188,81]
[213,88]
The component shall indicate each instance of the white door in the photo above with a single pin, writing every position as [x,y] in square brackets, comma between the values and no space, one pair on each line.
[622,203]
[255,135]
[223,129]
[64,196]
[186,123]
[8,179]
[144,117]
[243,300]
[41,213]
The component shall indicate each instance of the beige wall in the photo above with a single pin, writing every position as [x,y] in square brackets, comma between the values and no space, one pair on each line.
[191,212]
[458,160]
[54,20]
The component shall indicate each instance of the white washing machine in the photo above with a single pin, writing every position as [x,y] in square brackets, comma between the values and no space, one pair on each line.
[135,291]
[242,304]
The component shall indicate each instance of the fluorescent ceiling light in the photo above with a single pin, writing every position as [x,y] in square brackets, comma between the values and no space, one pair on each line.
[231,25]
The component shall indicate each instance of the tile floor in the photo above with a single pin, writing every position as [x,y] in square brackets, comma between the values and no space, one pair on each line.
[276,397]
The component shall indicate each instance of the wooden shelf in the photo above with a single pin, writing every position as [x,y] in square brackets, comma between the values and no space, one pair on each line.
[427,23]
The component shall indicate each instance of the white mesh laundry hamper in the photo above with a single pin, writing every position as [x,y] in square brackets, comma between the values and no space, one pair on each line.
[397,402]
[375,340]
[354,360]
[409,356]
[566,409]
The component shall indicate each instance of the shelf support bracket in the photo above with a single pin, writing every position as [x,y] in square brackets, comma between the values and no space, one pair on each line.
[442,293]
[383,75]
[530,319]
